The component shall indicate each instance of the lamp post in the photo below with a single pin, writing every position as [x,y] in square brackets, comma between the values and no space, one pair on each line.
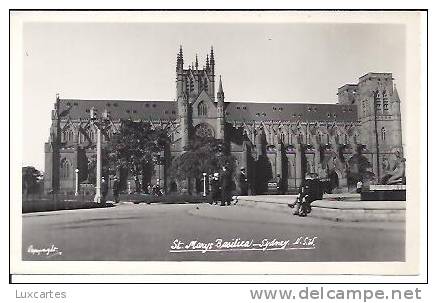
[76,193]
[99,123]
[204,184]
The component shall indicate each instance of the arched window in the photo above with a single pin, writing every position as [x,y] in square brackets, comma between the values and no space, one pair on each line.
[384,100]
[65,169]
[204,130]
[202,109]
[67,135]
[377,100]
[91,135]
[300,138]
[383,133]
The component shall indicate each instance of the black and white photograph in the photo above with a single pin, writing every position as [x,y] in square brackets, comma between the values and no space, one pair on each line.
[175,141]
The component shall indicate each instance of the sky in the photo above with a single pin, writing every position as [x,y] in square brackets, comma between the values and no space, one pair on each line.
[285,62]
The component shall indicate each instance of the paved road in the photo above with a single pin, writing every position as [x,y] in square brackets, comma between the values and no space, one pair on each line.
[147,232]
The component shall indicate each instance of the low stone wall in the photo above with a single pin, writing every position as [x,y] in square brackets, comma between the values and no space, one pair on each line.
[354,211]
[346,207]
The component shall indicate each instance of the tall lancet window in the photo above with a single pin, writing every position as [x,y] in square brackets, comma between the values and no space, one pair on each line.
[377,100]
[65,169]
[383,133]
[384,101]
[202,110]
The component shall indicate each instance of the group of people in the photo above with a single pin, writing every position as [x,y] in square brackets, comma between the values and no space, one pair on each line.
[104,188]
[307,194]
[221,187]
[155,189]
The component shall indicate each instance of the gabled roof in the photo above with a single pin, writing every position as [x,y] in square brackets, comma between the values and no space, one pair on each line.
[246,111]
[234,111]
[119,109]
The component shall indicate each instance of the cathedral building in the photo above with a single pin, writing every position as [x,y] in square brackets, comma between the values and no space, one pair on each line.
[289,140]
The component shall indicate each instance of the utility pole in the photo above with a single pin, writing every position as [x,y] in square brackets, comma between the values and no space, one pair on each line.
[99,123]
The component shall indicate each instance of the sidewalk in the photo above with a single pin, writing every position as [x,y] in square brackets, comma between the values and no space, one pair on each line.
[336,207]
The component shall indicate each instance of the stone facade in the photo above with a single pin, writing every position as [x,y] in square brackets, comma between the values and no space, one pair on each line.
[291,139]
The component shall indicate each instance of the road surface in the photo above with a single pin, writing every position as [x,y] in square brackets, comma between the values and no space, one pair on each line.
[129,232]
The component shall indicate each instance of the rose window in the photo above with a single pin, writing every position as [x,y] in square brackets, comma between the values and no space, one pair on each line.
[204,130]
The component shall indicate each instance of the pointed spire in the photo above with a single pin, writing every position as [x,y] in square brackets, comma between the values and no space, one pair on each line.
[197,63]
[220,89]
[207,61]
[180,59]
[395,95]
[220,93]
[211,60]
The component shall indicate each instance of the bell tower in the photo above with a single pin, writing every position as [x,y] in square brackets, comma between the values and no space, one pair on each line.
[379,116]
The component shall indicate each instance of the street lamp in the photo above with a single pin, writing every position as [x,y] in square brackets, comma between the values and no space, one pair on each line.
[100,124]
[204,184]
[76,193]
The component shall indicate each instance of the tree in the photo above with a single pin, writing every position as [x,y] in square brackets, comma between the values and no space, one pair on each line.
[134,146]
[31,178]
[203,155]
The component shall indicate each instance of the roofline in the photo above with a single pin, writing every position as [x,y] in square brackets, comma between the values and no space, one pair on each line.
[348,84]
[374,73]
[285,103]
[227,102]
[112,100]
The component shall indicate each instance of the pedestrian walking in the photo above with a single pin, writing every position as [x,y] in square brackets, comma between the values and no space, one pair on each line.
[104,189]
[226,187]
[116,190]
[279,185]
[243,184]
[215,189]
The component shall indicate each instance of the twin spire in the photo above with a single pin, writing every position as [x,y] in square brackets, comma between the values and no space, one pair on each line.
[210,62]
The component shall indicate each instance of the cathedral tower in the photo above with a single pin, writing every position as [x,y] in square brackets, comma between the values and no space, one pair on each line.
[379,117]
[195,95]
[51,151]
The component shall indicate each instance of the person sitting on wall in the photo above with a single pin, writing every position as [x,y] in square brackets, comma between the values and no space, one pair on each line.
[302,205]
[397,175]
[359,186]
